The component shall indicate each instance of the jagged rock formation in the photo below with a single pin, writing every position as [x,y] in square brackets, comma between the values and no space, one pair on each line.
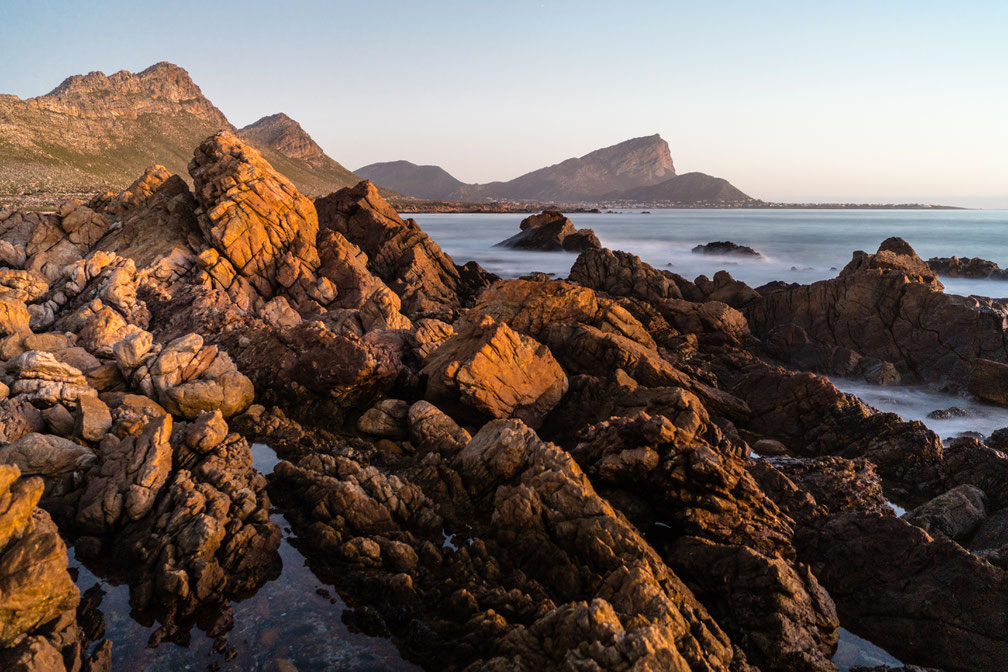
[407,259]
[499,474]
[890,306]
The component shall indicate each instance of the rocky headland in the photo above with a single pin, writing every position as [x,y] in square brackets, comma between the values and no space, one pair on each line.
[622,470]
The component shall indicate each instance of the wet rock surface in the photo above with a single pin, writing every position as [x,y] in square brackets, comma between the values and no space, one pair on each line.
[607,472]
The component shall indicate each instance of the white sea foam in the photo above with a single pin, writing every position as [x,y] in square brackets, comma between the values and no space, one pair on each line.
[915,403]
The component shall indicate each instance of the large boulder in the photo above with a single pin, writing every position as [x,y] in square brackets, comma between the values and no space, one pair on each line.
[491,371]
[187,376]
[60,462]
[35,587]
[988,380]
[254,217]
[622,274]
[14,316]
[40,377]
[533,307]
[130,473]
[954,514]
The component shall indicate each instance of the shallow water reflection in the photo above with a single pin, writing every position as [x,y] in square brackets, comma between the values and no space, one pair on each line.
[292,623]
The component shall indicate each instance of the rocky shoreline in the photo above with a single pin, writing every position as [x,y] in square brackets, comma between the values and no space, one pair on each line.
[622,470]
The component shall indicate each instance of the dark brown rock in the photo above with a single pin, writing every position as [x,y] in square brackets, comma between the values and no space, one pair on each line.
[962,630]
[726,248]
[398,252]
[890,306]
[551,231]
[622,274]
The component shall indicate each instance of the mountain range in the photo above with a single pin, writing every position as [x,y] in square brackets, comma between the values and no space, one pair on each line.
[97,132]
[639,170]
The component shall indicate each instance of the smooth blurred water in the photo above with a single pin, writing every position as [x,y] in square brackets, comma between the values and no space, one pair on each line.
[797,245]
[915,403]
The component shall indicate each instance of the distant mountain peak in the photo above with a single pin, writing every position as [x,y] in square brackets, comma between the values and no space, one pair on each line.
[638,170]
[286,136]
[646,159]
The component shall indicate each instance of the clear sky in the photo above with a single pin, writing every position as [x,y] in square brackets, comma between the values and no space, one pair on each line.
[795,101]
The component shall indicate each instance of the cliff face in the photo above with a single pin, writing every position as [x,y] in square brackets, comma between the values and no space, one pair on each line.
[97,131]
[633,163]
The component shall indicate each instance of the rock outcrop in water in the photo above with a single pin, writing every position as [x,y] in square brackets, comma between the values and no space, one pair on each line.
[726,248]
[498,474]
[967,267]
[890,307]
[550,231]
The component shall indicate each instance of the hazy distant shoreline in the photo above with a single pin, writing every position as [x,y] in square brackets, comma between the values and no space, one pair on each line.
[497,208]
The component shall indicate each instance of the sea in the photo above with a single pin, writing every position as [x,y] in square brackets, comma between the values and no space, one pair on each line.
[796,245]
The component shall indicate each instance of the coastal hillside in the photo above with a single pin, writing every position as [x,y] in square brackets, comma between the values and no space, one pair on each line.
[685,189]
[431,182]
[294,152]
[97,132]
